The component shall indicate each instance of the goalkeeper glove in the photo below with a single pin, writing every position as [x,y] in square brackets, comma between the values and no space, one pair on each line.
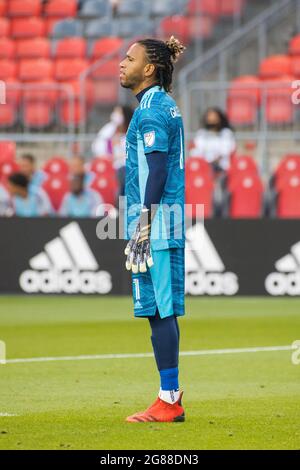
[138,249]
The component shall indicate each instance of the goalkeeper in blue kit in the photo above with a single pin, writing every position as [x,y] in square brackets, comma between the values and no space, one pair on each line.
[154,216]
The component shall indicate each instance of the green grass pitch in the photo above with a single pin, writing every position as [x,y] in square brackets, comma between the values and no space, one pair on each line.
[232,401]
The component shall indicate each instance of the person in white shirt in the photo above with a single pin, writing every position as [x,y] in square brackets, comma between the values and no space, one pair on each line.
[215,141]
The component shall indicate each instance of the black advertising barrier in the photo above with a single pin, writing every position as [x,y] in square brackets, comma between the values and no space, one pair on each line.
[228,257]
[59,256]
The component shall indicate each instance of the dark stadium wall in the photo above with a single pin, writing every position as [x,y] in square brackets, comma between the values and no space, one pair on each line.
[228,257]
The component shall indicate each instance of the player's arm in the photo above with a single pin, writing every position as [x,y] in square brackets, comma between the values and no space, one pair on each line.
[157,177]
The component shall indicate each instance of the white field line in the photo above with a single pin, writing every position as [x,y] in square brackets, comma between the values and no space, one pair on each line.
[207,352]
[5,415]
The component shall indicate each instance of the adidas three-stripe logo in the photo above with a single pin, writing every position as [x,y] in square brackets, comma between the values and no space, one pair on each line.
[204,269]
[66,265]
[146,102]
[66,252]
[286,281]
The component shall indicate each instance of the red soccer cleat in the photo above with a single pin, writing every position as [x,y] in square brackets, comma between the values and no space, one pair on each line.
[161,412]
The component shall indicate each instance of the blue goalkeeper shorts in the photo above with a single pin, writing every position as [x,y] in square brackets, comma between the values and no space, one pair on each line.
[162,286]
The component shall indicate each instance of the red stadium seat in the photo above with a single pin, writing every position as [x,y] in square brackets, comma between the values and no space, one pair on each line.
[50,23]
[24,7]
[56,166]
[13,91]
[8,115]
[8,111]
[199,190]
[71,114]
[246,196]
[61,8]
[102,166]
[37,114]
[107,187]
[7,150]
[294,45]
[7,48]
[178,24]
[76,89]
[8,69]
[36,69]
[109,69]
[7,167]
[275,66]
[243,100]
[296,66]
[206,7]
[33,48]
[199,186]
[106,86]
[104,46]
[56,186]
[3,7]
[69,48]
[197,166]
[279,109]
[241,110]
[105,91]
[246,85]
[242,164]
[199,27]
[4,27]
[290,164]
[288,200]
[32,27]
[232,7]
[44,90]
[69,69]
[279,105]
[71,110]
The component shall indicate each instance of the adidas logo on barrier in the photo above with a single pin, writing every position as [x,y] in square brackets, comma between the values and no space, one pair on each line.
[204,269]
[66,266]
[286,281]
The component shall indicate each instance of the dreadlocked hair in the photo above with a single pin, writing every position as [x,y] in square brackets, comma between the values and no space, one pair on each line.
[163,55]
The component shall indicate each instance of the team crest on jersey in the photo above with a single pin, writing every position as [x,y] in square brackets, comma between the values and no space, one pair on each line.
[175,112]
[149,139]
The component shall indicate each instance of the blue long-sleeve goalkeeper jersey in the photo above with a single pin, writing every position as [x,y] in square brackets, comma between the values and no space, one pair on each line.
[156,126]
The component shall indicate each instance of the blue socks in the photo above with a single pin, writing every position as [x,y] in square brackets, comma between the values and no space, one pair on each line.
[169,379]
[165,341]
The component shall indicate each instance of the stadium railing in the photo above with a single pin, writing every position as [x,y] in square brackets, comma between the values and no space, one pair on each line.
[216,60]
[54,94]
[275,117]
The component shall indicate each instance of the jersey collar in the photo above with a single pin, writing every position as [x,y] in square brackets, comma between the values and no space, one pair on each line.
[146,92]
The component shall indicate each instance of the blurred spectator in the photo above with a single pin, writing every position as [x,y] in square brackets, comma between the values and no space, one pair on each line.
[80,201]
[115,5]
[27,165]
[111,141]
[215,141]
[28,200]
[77,168]
[6,207]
